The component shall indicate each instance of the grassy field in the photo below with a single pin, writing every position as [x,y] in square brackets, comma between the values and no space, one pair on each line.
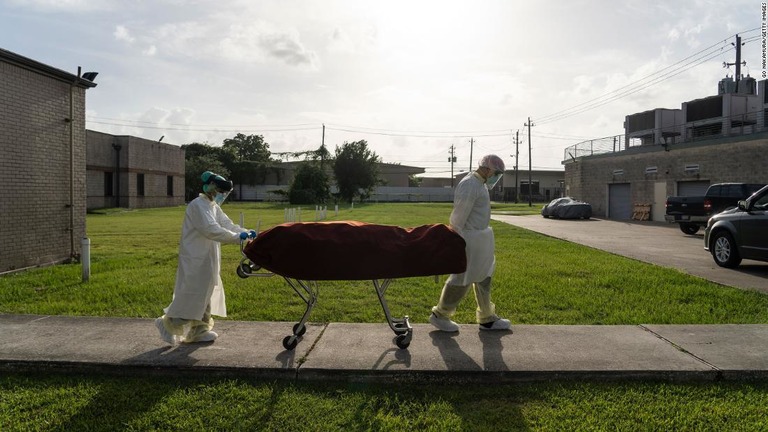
[538,280]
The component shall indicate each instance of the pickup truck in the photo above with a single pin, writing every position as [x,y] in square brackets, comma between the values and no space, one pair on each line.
[693,212]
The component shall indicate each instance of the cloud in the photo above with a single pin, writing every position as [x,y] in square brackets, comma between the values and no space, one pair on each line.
[65,5]
[122,34]
[352,40]
[261,41]
[288,49]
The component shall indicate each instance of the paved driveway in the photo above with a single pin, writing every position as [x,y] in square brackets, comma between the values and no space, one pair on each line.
[657,243]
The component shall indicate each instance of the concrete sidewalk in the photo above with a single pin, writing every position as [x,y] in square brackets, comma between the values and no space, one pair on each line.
[366,352]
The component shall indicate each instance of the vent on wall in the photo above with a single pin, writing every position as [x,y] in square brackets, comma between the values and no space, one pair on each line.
[651,170]
[691,168]
[618,172]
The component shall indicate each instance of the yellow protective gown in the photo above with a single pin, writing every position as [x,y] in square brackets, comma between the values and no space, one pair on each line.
[471,217]
[198,282]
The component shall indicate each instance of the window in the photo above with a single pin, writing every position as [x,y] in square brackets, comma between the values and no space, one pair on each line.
[108,184]
[169,187]
[140,184]
[532,190]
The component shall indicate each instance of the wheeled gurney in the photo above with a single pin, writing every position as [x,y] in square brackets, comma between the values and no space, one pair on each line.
[304,253]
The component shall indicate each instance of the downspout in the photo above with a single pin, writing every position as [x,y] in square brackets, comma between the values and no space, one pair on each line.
[72,166]
[117,147]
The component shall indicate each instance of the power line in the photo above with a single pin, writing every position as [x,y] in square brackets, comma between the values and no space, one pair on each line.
[633,87]
[598,101]
[196,129]
[421,135]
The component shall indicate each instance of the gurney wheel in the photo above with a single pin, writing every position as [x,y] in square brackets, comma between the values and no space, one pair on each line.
[289,344]
[403,341]
[243,270]
[299,329]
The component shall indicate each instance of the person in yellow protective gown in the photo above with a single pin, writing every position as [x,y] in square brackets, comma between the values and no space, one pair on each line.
[199,292]
[471,217]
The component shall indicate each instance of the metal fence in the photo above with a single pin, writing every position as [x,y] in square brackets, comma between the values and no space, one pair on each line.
[720,127]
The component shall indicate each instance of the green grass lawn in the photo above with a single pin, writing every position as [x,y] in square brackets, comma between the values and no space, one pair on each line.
[538,280]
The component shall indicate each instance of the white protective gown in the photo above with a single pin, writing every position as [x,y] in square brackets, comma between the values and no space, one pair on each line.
[197,277]
[470,217]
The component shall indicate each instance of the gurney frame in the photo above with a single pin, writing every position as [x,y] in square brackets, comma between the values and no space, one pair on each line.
[308,292]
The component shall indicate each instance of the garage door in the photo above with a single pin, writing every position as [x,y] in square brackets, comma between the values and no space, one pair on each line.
[619,202]
[692,188]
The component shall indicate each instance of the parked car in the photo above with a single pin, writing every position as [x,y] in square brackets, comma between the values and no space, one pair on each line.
[567,208]
[693,212]
[739,233]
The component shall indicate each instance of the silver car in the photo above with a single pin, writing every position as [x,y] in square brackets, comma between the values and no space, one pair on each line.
[567,208]
[739,233]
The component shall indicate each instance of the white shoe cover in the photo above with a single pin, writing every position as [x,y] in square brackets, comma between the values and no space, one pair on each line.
[443,324]
[168,337]
[208,336]
[499,324]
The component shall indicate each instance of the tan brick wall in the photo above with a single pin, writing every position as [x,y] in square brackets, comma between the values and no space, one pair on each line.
[723,160]
[35,156]
[155,160]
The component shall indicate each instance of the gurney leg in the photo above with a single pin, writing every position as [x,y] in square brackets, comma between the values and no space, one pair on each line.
[401,326]
[309,296]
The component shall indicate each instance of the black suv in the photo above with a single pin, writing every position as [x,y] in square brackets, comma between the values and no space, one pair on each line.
[740,233]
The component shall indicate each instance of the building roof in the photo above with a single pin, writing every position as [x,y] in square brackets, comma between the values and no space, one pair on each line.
[35,66]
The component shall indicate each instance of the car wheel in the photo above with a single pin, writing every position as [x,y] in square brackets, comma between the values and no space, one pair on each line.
[724,250]
[690,229]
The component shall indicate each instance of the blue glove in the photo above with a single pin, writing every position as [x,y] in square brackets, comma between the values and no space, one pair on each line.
[247,234]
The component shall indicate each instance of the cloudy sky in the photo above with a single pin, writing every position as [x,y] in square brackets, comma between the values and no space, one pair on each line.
[412,78]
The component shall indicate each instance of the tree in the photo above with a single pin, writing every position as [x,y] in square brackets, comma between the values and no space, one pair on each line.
[248,148]
[248,159]
[310,185]
[355,170]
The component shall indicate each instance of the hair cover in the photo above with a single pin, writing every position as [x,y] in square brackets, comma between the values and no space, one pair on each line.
[493,162]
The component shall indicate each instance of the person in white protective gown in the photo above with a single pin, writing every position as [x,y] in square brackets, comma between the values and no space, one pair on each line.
[199,292]
[470,217]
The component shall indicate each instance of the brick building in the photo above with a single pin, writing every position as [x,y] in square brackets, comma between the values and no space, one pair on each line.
[667,152]
[132,172]
[42,152]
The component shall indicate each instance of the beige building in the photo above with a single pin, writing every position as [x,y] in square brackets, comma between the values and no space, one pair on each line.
[667,152]
[281,177]
[132,172]
[42,148]
[545,185]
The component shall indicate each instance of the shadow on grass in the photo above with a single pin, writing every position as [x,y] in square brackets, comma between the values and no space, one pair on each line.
[120,401]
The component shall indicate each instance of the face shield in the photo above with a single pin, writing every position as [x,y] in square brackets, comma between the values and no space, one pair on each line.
[220,197]
[216,186]
[494,165]
[491,181]
[222,189]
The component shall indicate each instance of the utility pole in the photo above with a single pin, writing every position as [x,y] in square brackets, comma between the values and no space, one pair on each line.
[516,156]
[471,147]
[322,146]
[530,181]
[452,160]
[738,62]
